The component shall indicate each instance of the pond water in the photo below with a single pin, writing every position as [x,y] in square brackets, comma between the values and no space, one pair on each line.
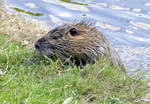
[126,23]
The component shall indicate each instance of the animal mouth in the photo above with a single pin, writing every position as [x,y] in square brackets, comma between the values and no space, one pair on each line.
[44,51]
[47,53]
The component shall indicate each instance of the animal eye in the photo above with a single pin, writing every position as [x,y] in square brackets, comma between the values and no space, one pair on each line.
[73,32]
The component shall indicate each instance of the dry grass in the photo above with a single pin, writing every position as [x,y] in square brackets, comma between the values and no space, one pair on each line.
[31,79]
[22,29]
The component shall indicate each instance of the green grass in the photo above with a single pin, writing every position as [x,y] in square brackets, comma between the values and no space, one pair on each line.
[27,12]
[69,1]
[32,79]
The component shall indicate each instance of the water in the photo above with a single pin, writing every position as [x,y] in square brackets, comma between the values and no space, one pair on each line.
[126,23]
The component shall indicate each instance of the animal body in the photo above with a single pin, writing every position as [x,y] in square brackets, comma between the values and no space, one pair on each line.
[80,42]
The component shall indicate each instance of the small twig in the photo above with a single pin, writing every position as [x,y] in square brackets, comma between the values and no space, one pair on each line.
[99,72]
[26,100]
[67,60]
[9,80]
[52,90]
[10,70]
[7,60]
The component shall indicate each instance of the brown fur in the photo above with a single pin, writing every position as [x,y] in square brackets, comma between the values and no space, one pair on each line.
[80,42]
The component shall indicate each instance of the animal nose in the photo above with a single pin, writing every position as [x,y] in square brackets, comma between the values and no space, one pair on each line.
[38,42]
[36,45]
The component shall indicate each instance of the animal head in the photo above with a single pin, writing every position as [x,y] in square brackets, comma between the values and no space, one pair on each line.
[79,41]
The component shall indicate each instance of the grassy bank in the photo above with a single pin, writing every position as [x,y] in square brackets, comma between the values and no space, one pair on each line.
[28,78]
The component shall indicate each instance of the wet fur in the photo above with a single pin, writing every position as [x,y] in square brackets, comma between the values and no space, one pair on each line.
[87,46]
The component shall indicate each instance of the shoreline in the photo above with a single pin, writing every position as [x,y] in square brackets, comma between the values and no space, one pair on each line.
[24,30]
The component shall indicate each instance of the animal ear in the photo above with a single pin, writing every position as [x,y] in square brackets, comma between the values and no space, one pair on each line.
[73,32]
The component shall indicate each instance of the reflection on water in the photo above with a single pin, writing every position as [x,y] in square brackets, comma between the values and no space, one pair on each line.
[126,23]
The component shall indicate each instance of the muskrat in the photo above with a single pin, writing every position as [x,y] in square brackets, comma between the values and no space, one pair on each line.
[80,42]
